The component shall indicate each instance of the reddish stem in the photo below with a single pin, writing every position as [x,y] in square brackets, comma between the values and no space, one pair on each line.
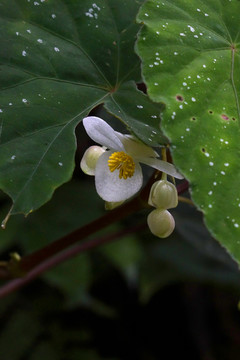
[67,254]
[44,259]
[30,261]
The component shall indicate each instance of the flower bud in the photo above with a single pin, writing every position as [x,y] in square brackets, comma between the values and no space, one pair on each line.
[161,223]
[163,195]
[90,158]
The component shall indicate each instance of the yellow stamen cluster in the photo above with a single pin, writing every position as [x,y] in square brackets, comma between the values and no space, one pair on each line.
[122,162]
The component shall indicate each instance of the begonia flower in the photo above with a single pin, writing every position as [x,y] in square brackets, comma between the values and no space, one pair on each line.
[118,174]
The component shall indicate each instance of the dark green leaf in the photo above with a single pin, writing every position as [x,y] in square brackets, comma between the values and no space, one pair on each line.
[59,60]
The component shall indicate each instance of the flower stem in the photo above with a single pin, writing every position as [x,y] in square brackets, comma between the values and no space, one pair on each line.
[28,262]
[36,263]
[15,284]
[164,158]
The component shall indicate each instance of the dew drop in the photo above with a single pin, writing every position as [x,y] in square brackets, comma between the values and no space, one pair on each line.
[191,28]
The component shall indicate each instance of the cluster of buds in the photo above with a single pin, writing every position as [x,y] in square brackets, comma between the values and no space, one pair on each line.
[163,196]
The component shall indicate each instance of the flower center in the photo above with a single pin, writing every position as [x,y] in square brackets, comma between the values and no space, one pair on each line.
[123,162]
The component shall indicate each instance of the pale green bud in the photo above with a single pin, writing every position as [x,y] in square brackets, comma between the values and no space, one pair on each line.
[161,223]
[90,159]
[163,195]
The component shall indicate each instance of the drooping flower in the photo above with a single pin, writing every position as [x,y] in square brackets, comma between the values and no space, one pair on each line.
[118,174]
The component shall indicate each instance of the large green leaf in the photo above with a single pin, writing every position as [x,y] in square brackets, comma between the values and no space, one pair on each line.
[58,60]
[191,63]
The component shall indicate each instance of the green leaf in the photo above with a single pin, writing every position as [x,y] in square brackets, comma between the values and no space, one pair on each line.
[135,109]
[124,254]
[55,219]
[190,254]
[58,61]
[44,349]
[191,63]
[72,277]
[13,332]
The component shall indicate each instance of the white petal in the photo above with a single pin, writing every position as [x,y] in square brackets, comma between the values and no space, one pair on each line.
[102,133]
[108,184]
[136,148]
[162,166]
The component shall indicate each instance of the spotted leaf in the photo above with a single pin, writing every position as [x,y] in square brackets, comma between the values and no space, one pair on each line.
[191,63]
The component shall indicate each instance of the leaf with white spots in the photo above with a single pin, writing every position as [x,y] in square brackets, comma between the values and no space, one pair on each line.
[58,61]
[199,83]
